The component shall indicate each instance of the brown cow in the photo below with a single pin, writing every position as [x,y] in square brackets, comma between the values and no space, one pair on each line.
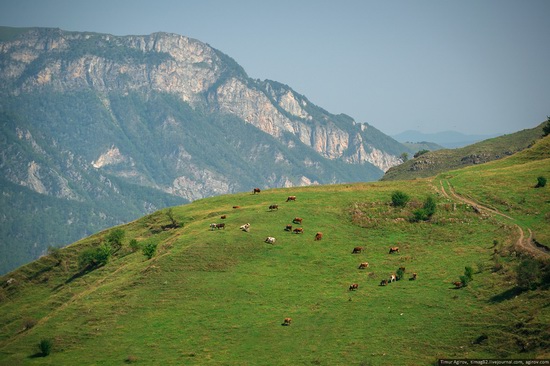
[298,230]
[256,190]
[353,287]
[273,207]
[394,250]
[357,250]
[297,220]
[383,282]
[291,198]
[236,206]
[288,227]
[364,265]
[457,284]
[220,226]
[287,321]
[413,277]
[319,236]
[223,217]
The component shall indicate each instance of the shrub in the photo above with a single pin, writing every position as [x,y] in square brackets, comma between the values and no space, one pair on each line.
[469,273]
[430,206]
[400,273]
[114,238]
[464,280]
[149,250]
[541,182]
[421,152]
[134,245]
[546,128]
[528,274]
[94,257]
[399,199]
[45,347]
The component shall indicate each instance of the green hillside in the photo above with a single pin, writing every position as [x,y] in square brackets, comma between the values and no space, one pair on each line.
[435,162]
[213,297]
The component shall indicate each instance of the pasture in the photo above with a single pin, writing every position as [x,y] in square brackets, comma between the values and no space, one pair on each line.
[220,297]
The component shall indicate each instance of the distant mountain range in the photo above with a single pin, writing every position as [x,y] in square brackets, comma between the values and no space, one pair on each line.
[437,161]
[448,139]
[98,130]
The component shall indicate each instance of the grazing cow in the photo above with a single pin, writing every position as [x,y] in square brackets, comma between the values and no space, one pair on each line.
[413,277]
[223,217]
[297,220]
[256,190]
[220,226]
[357,250]
[288,227]
[393,278]
[291,198]
[353,287]
[213,226]
[383,282]
[364,265]
[402,269]
[245,227]
[236,206]
[394,250]
[298,230]
[287,321]
[319,236]
[273,207]
[270,240]
[457,284]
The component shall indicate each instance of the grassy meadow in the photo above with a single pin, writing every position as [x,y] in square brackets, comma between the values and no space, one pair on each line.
[219,297]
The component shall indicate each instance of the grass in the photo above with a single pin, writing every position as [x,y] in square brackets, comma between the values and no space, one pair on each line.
[219,297]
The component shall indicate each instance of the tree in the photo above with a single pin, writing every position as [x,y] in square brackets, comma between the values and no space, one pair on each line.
[541,182]
[399,199]
[149,250]
[546,128]
[45,347]
[421,152]
[95,257]
[404,157]
[115,238]
[426,212]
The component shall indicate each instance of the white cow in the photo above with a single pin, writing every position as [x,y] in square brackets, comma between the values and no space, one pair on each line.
[245,227]
[270,240]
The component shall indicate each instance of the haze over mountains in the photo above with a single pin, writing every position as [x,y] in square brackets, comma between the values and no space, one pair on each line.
[448,139]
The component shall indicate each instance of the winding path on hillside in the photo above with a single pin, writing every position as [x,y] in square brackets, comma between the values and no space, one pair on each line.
[524,243]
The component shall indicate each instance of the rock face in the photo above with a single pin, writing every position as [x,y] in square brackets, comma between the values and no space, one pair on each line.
[135,120]
[51,59]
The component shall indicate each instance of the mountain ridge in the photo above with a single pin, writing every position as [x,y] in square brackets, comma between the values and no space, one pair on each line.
[85,114]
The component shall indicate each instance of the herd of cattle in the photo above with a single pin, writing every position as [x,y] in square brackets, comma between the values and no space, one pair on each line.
[318,236]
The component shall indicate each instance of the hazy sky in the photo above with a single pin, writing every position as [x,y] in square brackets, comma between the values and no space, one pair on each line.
[474,66]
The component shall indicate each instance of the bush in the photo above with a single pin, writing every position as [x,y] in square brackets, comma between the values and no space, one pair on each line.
[115,238]
[94,257]
[541,182]
[430,206]
[400,273]
[134,245]
[469,273]
[528,274]
[149,250]
[464,280]
[45,347]
[399,199]
[421,152]
[546,128]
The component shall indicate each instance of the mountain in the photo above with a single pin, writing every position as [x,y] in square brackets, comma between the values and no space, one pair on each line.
[448,139]
[212,297]
[98,130]
[435,162]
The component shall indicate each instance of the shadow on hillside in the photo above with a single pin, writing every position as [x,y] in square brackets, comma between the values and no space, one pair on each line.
[506,295]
